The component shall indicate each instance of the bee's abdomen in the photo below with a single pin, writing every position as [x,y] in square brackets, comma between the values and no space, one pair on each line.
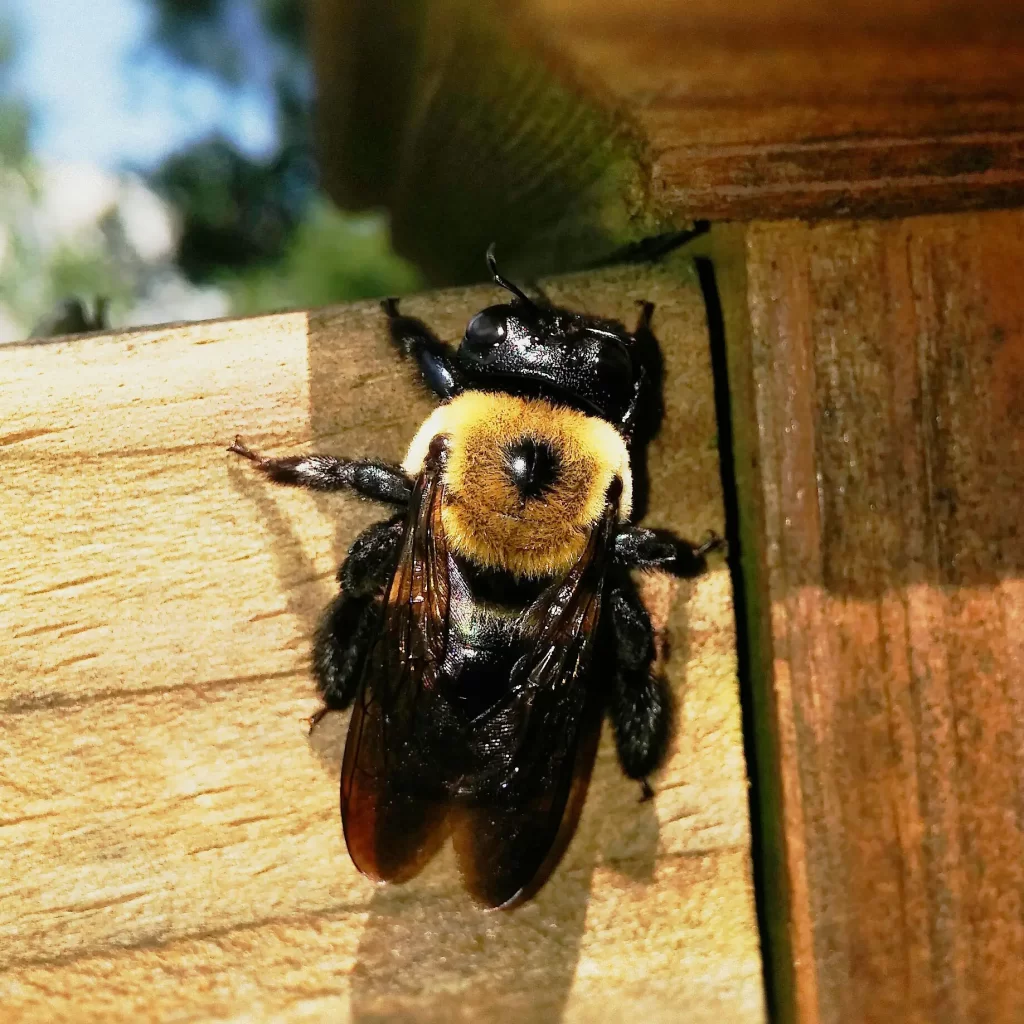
[490,622]
[482,678]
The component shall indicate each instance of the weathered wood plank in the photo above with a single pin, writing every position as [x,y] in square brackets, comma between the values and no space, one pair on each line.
[565,130]
[877,392]
[793,109]
[169,838]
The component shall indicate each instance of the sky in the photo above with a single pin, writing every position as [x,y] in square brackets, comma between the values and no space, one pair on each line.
[97,98]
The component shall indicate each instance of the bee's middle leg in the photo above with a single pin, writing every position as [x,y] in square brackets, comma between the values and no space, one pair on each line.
[340,647]
[371,558]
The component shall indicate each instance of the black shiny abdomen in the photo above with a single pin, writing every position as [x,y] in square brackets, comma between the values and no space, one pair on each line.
[491,626]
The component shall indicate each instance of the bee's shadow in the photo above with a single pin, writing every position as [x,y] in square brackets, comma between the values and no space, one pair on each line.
[428,954]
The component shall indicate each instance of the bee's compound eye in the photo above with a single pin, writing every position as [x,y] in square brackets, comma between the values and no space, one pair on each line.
[483,335]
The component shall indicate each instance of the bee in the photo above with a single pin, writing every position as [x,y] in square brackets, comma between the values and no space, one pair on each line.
[484,631]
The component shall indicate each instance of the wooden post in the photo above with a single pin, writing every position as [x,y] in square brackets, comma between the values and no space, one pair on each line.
[171,845]
[877,373]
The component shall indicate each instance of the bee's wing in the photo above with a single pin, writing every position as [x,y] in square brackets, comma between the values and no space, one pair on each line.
[539,745]
[393,801]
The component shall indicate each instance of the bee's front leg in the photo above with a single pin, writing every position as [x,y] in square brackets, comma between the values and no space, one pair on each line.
[372,478]
[435,359]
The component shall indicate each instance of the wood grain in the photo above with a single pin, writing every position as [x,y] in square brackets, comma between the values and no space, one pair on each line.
[567,130]
[169,837]
[879,435]
[795,109]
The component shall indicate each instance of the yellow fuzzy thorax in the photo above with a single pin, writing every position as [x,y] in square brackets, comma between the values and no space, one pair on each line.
[484,517]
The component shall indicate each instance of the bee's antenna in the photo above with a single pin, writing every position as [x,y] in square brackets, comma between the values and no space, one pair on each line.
[501,282]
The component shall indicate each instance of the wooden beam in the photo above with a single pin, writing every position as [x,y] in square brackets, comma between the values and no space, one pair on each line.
[170,837]
[446,115]
[876,375]
[565,131]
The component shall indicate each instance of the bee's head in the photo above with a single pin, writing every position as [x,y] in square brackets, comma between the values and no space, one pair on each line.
[525,348]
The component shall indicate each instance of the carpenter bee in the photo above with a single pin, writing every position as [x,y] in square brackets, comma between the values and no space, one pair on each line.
[483,632]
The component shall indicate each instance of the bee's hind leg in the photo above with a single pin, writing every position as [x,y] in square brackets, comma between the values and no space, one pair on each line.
[639,704]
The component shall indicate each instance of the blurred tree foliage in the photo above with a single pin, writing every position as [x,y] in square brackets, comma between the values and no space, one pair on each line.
[15,184]
[14,115]
[40,271]
[259,227]
[246,233]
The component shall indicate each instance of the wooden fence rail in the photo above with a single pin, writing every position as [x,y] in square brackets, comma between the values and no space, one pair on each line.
[169,837]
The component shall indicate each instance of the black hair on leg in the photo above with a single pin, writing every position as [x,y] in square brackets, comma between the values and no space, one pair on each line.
[346,628]
[640,709]
[634,636]
[639,704]
[371,478]
[371,558]
[340,647]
